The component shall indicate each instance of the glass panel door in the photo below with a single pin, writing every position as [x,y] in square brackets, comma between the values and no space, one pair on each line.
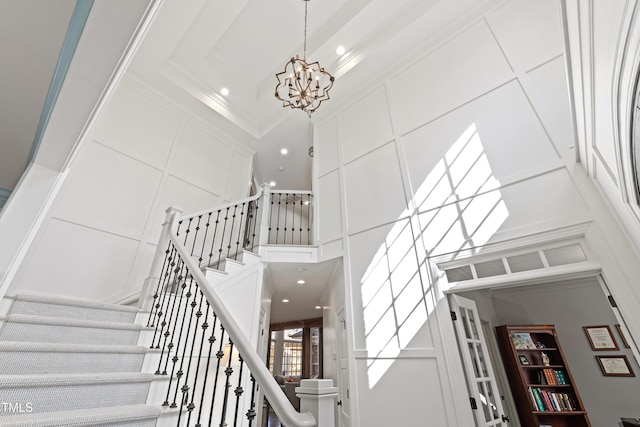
[481,383]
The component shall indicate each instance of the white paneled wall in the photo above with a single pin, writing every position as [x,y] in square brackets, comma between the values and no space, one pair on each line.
[467,144]
[143,155]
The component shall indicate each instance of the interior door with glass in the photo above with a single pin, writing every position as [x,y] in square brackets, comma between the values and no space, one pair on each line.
[481,382]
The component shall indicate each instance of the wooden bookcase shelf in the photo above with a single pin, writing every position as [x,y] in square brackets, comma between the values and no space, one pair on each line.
[539,377]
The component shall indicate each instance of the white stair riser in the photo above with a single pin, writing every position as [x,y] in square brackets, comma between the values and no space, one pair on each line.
[41,362]
[168,418]
[48,398]
[71,312]
[158,390]
[150,362]
[36,332]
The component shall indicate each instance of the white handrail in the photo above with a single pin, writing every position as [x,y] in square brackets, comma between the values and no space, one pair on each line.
[226,205]
[281,405]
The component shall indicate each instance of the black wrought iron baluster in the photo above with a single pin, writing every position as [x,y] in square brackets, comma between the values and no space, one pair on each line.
[309,197]
[186,232]
[195,236]
[159,294]
[180,372]
[238,392]
[175,358]
[251,413]
[185,387]
[213,241]
[224,229]
[204,239]
[278,223]
[286,214]
[256,218]
[248,227]
[301,215]
[178,280]
[233,222]
[270,217]
[240,226]
[156,294]
[162,310]
[219,355]
[293,225]
[212,340]
[228,371]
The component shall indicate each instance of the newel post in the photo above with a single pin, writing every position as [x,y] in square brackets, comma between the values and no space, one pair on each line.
[171,218]
[265,205]
[318,397]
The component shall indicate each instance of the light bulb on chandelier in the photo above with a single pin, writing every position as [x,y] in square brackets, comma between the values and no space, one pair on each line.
[306,85]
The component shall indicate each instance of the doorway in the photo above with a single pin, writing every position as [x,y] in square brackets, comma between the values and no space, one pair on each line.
[569,305]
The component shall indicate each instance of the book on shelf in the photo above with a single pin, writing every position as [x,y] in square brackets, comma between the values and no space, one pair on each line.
[522,341]
[548,401]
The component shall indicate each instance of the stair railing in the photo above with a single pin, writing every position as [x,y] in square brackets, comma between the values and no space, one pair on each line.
[290,217]
[213,370]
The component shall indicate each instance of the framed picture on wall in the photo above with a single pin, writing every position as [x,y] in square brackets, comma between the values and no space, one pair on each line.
[615,366]
[600,337]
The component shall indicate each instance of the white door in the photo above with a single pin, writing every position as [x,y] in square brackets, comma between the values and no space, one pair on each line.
[344,403]
[481,382]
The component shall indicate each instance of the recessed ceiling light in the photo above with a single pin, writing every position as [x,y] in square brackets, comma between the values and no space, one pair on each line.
[340,50]
[285,300]
[224,91]
[284,151]
[318,307]
[301,282]
[272,183]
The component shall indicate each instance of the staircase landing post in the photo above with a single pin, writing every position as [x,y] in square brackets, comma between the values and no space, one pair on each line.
[318,397]
[145,300]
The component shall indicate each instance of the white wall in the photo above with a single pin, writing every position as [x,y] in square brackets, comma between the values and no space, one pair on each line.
[467,144]
[143,155]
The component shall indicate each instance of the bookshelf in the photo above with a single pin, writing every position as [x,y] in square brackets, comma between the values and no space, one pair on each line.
[539,377]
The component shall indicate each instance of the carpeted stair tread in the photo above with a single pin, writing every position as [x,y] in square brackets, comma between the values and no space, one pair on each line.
[53,306]
[58,321]
[26,346]
[74,302]
[11,381]
[112,416]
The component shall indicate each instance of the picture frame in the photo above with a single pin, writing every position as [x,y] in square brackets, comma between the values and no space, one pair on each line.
[522,341]
[600,338]
[622,337]
[523,360]
[615,366]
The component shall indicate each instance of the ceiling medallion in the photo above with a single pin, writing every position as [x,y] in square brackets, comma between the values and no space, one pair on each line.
[303,85]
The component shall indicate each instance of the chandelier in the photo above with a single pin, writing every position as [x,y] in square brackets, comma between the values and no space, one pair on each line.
[303,85]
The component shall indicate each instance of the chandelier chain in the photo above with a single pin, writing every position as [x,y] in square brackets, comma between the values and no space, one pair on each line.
[304,53]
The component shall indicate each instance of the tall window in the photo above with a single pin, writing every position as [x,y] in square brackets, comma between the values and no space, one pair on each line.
[635,140]
[295,349]
[292,352]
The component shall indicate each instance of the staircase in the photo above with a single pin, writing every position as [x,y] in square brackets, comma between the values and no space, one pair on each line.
[67,362]
[191,356]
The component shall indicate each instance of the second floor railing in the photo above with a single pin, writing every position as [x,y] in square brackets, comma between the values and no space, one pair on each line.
[268,218]
[290,218]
